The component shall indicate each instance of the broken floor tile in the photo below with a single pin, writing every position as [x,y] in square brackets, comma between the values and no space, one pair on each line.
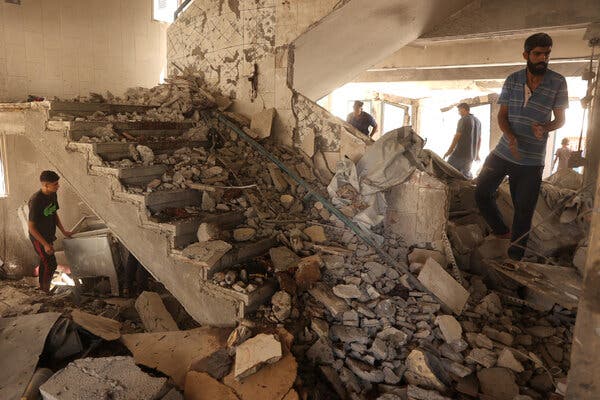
[154,314]
[254,352]
[450,327]
[116,378]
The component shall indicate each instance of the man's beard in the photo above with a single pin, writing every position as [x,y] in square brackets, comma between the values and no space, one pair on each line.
[538,68]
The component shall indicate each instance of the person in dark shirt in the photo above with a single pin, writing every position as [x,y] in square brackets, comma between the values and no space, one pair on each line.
[43,220]
[466,143]
[362,120]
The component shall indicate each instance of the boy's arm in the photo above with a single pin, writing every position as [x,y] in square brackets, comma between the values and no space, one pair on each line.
[36,234]
[61,227]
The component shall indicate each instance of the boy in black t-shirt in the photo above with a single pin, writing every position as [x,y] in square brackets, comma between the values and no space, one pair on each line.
[43,220]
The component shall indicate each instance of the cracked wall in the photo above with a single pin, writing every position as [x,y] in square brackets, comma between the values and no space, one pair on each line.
[224,39]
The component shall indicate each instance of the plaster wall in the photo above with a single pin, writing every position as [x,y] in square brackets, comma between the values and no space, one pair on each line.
[68,48]
[24,165]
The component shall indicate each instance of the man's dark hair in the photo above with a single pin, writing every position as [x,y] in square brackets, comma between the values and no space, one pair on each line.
[358,103]
[537,40]
[49,176]
[464,106]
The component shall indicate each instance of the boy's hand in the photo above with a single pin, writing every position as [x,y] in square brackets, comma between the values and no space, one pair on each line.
[49,249]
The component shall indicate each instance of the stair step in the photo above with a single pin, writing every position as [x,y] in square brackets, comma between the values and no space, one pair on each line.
[161,199]
[77,129]
[113,151]
[142,175]
[85,109]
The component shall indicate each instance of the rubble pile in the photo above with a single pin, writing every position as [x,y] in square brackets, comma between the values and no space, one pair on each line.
[361,323]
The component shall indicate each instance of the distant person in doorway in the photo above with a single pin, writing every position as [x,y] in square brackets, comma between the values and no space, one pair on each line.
[562,155]
[529,98]
[466,143]
[362,120]
[43,220]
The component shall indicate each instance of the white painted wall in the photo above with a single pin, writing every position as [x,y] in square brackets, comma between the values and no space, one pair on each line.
[68,48]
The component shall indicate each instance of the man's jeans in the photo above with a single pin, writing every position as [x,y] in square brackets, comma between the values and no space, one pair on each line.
[524,182]
[464,166]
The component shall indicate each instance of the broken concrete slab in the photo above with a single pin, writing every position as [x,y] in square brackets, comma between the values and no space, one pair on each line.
[335,305]
[271,382]
[153,313]
[450,327]
[173,394]
[261,124]
[485,357]
[283,258]
[254,352]
[277,177]
[217,365]
[443,286]
[426,370]
[365,371]
[348,334]
[22,343]
[116,378]
[334,380]
[106,328]
[499,383]
[201,386]
[173,352]
[207,253]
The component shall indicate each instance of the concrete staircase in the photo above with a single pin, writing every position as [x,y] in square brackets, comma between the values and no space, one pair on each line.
[158,245]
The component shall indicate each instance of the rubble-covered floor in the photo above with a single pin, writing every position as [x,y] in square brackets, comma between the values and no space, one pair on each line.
[443,321]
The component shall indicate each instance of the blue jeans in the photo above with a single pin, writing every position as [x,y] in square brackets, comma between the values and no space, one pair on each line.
[461,164]
[524,182]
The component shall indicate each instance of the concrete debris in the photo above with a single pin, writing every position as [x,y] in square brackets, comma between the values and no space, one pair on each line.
[217,365]
[282,305]
[244,234]
[201,386]
[239,335]
[316,234]
[146,154]
[499,383]
[309,271]
[506,359]
[153,313]
[172,352]
[321,352]
[106,328]
[335,305]
[443,286]
[283,258]
[250,355]
[101,378]
[347,291]
[417,393]
[426,370]
[420,256]
[450,328]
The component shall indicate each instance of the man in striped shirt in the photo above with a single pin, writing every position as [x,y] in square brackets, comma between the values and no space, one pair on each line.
[529,98]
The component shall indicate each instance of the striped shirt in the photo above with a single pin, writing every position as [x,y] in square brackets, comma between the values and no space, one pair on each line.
[522,113]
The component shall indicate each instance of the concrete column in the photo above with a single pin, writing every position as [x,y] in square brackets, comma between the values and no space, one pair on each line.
[583,382]
[592,146]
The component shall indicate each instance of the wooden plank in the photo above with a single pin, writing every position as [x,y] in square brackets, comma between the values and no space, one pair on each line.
[583,382]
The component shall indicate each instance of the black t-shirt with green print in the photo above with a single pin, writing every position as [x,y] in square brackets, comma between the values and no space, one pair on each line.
[42,212]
